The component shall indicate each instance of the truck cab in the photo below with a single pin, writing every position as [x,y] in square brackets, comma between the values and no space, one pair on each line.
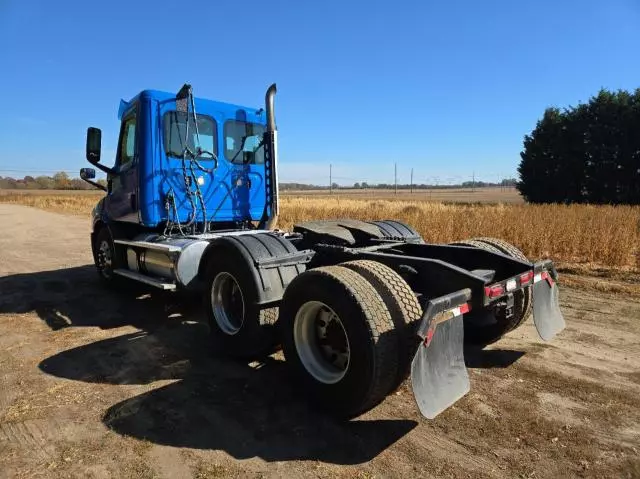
[179,164]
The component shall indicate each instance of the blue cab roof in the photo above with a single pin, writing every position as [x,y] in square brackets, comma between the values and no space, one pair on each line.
[202,105]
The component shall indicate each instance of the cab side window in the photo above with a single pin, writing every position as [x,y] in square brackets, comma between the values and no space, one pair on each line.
[243,142]
[128,140]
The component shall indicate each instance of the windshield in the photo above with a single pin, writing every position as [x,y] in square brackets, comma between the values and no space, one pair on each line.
[243,142]
[175,130]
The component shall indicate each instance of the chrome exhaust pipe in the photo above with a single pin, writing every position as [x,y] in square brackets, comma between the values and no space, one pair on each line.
[270,218]
[269,98]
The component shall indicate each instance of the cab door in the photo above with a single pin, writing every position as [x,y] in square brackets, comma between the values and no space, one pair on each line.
[122,187]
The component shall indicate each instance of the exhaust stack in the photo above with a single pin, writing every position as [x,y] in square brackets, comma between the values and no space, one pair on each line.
[268,101]
[269,221]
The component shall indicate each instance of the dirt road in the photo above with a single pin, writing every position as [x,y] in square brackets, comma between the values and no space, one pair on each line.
[94,384]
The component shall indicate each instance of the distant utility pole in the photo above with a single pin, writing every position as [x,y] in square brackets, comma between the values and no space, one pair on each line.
[473,183]
[330,180]
[395,177]
[411,180]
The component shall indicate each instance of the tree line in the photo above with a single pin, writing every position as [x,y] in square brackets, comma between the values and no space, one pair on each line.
[59,181]
[585,154]
[508,182]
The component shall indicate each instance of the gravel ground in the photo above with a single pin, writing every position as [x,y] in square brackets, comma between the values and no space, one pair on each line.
[98,384]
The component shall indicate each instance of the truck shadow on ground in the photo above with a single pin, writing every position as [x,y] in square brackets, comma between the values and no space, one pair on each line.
[74,297]
[247,410]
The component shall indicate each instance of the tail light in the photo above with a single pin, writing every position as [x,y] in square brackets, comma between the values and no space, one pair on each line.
[494,291]
[525,278]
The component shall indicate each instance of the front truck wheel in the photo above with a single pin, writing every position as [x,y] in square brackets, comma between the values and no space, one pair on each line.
[487,326]
[107,258]
[239,327]
[339,340]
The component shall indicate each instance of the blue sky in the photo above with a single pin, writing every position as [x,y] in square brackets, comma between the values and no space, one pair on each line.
[446,88]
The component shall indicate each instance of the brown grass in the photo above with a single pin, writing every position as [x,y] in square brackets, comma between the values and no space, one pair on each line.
[595,236]
[598,235]
[81,204]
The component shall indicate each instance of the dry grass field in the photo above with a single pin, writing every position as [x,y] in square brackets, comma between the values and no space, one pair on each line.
[601,235]
[80,203]
[593,236]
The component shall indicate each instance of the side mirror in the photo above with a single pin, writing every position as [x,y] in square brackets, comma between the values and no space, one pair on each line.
[87,173]
[94,144]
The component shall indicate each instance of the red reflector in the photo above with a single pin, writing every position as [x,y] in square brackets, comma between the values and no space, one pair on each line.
[465,308]
[494,291]
[429,337]
[547,276]
[525,278]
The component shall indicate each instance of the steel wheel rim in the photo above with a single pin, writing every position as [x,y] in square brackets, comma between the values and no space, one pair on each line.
[227,302]
[105,261]
[321,342]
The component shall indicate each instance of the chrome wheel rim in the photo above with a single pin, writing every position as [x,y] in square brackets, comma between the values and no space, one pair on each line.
[227,303]
[321,342]
[105,261]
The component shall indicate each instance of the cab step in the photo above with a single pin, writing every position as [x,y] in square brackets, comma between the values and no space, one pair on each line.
[127,273]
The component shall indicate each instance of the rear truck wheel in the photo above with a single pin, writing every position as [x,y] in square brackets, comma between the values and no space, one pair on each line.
[402,304]
[239,327]
[486,326]
[396,230]
[339,340]
[526,293]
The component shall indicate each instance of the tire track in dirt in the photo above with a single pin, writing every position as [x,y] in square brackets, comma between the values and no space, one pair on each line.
[36,436]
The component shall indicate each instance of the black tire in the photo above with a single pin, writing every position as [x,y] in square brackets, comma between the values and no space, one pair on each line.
[107,258]
[527,294]
[477,244]
[372,342]
[482,327]
[242,331]
[402,304]
[396,230]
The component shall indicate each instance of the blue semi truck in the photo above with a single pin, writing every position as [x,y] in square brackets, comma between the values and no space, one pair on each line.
[191,204]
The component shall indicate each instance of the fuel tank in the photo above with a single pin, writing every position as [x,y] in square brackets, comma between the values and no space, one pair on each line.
[173,259]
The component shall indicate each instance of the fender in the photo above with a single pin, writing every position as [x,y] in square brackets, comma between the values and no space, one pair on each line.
[272,260]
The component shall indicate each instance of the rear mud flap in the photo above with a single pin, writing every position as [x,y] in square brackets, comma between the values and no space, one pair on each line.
[547,316]
[438,372]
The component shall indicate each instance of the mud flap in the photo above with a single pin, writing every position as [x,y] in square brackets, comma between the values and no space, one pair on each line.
[547,316]
[438,372]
